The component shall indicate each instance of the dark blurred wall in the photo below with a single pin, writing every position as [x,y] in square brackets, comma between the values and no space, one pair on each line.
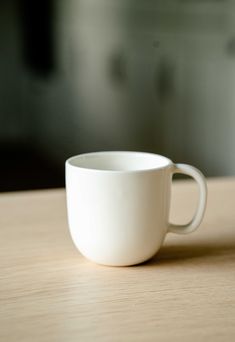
[12,118]
[87,75]
[25,54]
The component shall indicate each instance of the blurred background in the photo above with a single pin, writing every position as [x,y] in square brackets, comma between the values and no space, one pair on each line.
[90,75]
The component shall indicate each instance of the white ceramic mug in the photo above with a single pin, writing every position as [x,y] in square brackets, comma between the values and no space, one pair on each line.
[118,204]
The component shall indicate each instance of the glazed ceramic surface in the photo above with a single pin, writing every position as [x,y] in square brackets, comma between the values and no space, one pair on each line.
[118,204]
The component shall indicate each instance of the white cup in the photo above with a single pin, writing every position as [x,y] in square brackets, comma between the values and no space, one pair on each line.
[118,204]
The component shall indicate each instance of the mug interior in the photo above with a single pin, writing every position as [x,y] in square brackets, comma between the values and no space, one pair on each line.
[119,161]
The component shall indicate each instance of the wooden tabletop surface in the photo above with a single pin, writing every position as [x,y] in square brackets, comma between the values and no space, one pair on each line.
[49,292]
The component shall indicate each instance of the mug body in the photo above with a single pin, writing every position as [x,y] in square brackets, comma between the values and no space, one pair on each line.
[118,205]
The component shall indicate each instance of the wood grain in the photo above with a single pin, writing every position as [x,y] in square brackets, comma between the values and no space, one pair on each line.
[49,292]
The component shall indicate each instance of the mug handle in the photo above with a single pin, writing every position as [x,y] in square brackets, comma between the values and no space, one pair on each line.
[198,216]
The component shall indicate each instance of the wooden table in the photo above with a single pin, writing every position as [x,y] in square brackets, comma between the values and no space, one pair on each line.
[49,292]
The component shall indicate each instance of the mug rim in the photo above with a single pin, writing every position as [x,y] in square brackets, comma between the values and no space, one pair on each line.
[166,162]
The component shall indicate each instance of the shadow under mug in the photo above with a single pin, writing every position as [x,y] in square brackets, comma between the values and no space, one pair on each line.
[118,204]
